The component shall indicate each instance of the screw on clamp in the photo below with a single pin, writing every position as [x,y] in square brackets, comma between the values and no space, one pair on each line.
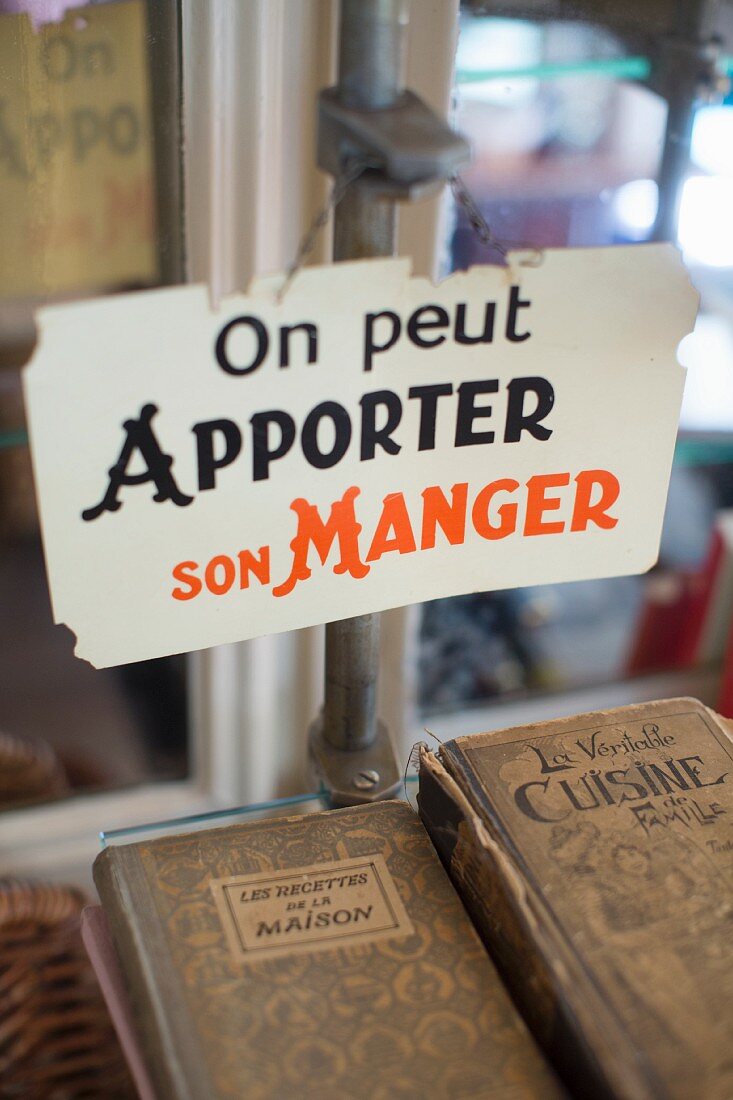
[355,776]
[365,780]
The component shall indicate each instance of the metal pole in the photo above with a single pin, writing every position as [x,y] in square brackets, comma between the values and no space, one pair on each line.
[371,48]
[687,72]
[675,161]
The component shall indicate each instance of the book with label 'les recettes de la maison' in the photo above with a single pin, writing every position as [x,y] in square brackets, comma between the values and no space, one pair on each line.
[326,955]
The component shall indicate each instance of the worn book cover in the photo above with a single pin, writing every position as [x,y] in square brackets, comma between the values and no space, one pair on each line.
[595,855]
[325,955]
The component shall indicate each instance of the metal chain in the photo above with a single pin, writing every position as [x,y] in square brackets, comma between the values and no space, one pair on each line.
[478,222]
[352,169]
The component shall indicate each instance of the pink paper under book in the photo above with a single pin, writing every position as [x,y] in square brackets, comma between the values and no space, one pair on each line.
[98,943]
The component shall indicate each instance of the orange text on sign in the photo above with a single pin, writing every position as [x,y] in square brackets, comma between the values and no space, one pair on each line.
[547,504]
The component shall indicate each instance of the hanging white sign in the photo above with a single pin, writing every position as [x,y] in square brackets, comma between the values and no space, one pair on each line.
[210,475]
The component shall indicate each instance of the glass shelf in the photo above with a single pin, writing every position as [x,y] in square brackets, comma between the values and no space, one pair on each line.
[194,822]
[703,452]
[276,807]
[17,438]
[614,68]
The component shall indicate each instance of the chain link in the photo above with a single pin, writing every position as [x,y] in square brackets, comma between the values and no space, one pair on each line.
[477,221]
[352,169]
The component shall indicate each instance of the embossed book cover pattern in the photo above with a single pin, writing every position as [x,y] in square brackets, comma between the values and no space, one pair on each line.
[411,1007]
[621,822]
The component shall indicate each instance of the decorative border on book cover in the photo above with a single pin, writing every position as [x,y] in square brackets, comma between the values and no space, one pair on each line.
[324,905]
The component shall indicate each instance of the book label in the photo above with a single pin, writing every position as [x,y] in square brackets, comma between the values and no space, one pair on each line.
[369,440]
[637,782]
[327,905]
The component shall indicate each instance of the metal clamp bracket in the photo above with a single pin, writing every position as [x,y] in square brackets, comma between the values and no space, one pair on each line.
[695,65]
[413,149]
[355,776]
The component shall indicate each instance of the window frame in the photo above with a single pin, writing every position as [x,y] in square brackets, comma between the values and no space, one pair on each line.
[250,75]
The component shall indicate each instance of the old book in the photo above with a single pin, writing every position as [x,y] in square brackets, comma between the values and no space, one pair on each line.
[324,955]
[595,855]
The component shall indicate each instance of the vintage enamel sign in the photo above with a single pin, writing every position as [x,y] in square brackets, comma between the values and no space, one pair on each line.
[209,475]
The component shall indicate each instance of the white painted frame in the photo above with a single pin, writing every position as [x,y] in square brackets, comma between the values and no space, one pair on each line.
[251,72]
[268,690]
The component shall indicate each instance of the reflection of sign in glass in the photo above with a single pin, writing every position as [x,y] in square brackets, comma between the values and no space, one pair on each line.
[76,161]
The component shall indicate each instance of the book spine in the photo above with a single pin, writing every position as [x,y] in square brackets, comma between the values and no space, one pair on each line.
[669,622]
[499,905]
[142,953]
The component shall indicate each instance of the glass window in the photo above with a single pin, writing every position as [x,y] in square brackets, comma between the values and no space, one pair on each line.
[568,143]
[90,201]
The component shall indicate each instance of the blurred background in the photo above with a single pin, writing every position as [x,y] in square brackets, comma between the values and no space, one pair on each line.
[89,204]
[573,147]
[592,124]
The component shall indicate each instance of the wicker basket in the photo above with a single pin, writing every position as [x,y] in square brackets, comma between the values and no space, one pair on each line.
[30,771]
[56,1038]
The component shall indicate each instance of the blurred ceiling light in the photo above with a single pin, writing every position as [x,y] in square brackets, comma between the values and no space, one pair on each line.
[486,43]
[708,355]
[712,140]
[635,208]
[706,221]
